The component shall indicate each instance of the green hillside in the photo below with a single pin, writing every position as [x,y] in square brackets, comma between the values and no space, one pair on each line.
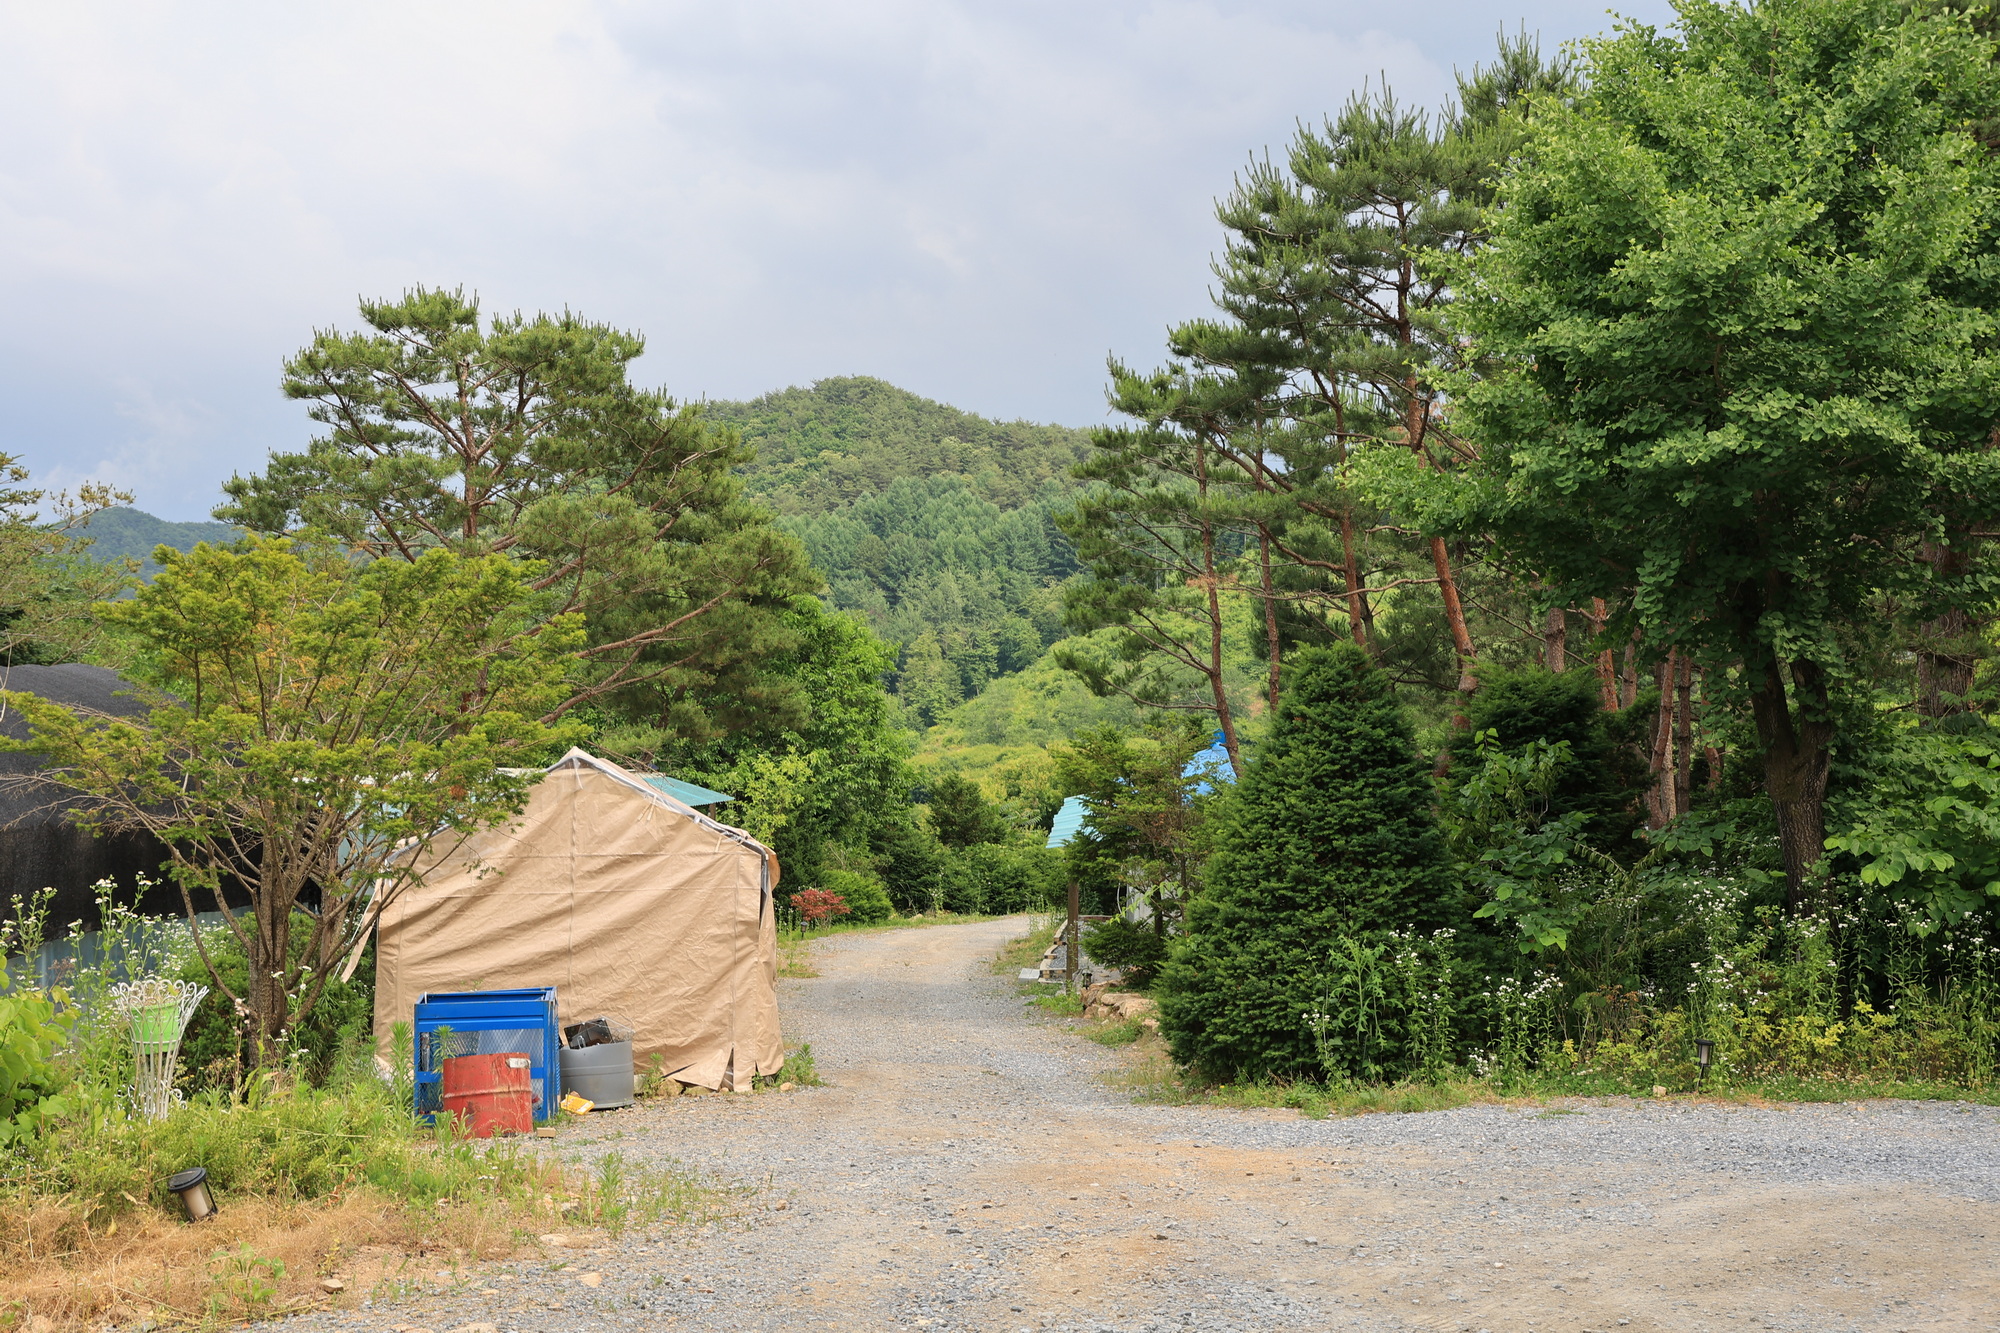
[845,439]
[932,523]
[117,534]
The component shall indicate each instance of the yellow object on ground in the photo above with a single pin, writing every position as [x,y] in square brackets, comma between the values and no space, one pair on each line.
[576,1105]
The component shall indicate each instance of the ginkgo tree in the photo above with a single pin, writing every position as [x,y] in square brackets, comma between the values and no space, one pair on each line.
[1735,320]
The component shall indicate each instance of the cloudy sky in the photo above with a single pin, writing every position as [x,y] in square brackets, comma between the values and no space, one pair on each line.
[977,201]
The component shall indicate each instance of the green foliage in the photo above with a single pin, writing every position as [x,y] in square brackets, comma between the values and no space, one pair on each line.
[822,785]
[867,901]
[1516,847]
[1927,833]
[960,813]
[50,578]
[122,533]
[1600,778]
[1734,328]
[1148,828]
[327,723]
[32,1030]
[1328,833]
[1136,950]
[523,435]
[215,1045]
[999,878]
[932,524]
[848,438]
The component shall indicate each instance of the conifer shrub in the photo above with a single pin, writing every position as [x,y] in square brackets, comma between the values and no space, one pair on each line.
[1328,834]
[867,901]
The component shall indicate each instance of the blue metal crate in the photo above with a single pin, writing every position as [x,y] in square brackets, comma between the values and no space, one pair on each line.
[487,1022]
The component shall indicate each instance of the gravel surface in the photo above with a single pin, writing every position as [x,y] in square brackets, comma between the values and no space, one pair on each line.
[967,1169]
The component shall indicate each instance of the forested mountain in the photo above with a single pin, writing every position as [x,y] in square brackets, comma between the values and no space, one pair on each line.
[932,523]
[117,534]
[851,437]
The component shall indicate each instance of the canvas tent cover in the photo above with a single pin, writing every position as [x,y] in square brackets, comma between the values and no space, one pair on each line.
[627,901]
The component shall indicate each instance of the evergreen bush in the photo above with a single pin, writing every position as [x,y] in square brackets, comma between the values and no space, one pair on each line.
[1328,834]
[867,901]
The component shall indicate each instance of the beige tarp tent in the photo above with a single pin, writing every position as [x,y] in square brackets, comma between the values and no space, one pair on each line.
[626,901]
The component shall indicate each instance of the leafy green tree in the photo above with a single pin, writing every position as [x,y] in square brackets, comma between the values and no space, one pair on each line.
[960,812]
[1328,834]
[1332,293]
[319,726]
[523,436]
[1156,537]
[821,780]
[1147,828]
[49,582]
[926,684]
[1737,314]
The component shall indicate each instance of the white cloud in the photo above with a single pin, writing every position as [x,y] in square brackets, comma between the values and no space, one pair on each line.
[977,201]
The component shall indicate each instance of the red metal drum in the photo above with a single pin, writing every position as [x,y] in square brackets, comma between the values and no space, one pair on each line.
[489,1094]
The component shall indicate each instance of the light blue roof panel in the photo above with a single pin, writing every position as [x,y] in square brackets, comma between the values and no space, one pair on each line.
[685,792]
[1067,823]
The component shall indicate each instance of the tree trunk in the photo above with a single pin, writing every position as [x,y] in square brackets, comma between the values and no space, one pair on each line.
[1360,620]
[1270,610]
[1461,637]
[1796,752]
[1684,736]
[270,1006]
[1212,586]
[1660,808]
[1555,641]
[1947,650]
[1454,610]
[1607,672]
[1629,694]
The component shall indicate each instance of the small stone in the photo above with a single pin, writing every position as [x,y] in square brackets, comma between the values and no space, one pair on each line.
[545,1133]
[1659,1091]
[954,1231]
[781,1205]
[40,1324]
[591,1279]
[330,1285]
[1159,1235]
[554,1240]
[786,1087]
[481,1327]
[1312,1240]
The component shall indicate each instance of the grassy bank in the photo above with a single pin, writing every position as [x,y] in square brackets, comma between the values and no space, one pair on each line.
[324,1197]
[1615,1071]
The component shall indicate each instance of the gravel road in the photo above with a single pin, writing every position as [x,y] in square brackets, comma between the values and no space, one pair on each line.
[967,1169]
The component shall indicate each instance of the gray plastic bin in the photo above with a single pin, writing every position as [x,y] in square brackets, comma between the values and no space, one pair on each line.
[603,1074]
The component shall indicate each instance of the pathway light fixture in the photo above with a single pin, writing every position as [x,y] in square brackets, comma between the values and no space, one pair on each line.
[192,1186]
[1704,1055]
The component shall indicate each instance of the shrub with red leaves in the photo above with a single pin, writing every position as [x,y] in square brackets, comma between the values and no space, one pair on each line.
[817,906]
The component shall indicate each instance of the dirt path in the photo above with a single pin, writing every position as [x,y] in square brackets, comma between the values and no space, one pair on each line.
[966,1169]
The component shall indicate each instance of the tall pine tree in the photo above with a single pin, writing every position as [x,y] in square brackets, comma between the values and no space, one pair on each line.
[1329,834]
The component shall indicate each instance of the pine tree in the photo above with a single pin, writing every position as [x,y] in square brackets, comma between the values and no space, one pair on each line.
[1329,834]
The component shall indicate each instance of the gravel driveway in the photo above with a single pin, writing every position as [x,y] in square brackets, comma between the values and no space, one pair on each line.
[966,1169]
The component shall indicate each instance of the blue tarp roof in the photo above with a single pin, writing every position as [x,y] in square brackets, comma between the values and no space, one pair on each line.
[1210,766]
[685,792]
[1068,822]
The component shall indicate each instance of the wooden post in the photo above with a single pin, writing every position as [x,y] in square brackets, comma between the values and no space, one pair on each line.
[1069,974]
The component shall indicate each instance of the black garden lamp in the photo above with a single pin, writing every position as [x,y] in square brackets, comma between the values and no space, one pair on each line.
[1704,1055]
[192,1186]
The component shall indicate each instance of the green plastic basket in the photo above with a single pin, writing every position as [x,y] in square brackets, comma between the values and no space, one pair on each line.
[157,1024]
